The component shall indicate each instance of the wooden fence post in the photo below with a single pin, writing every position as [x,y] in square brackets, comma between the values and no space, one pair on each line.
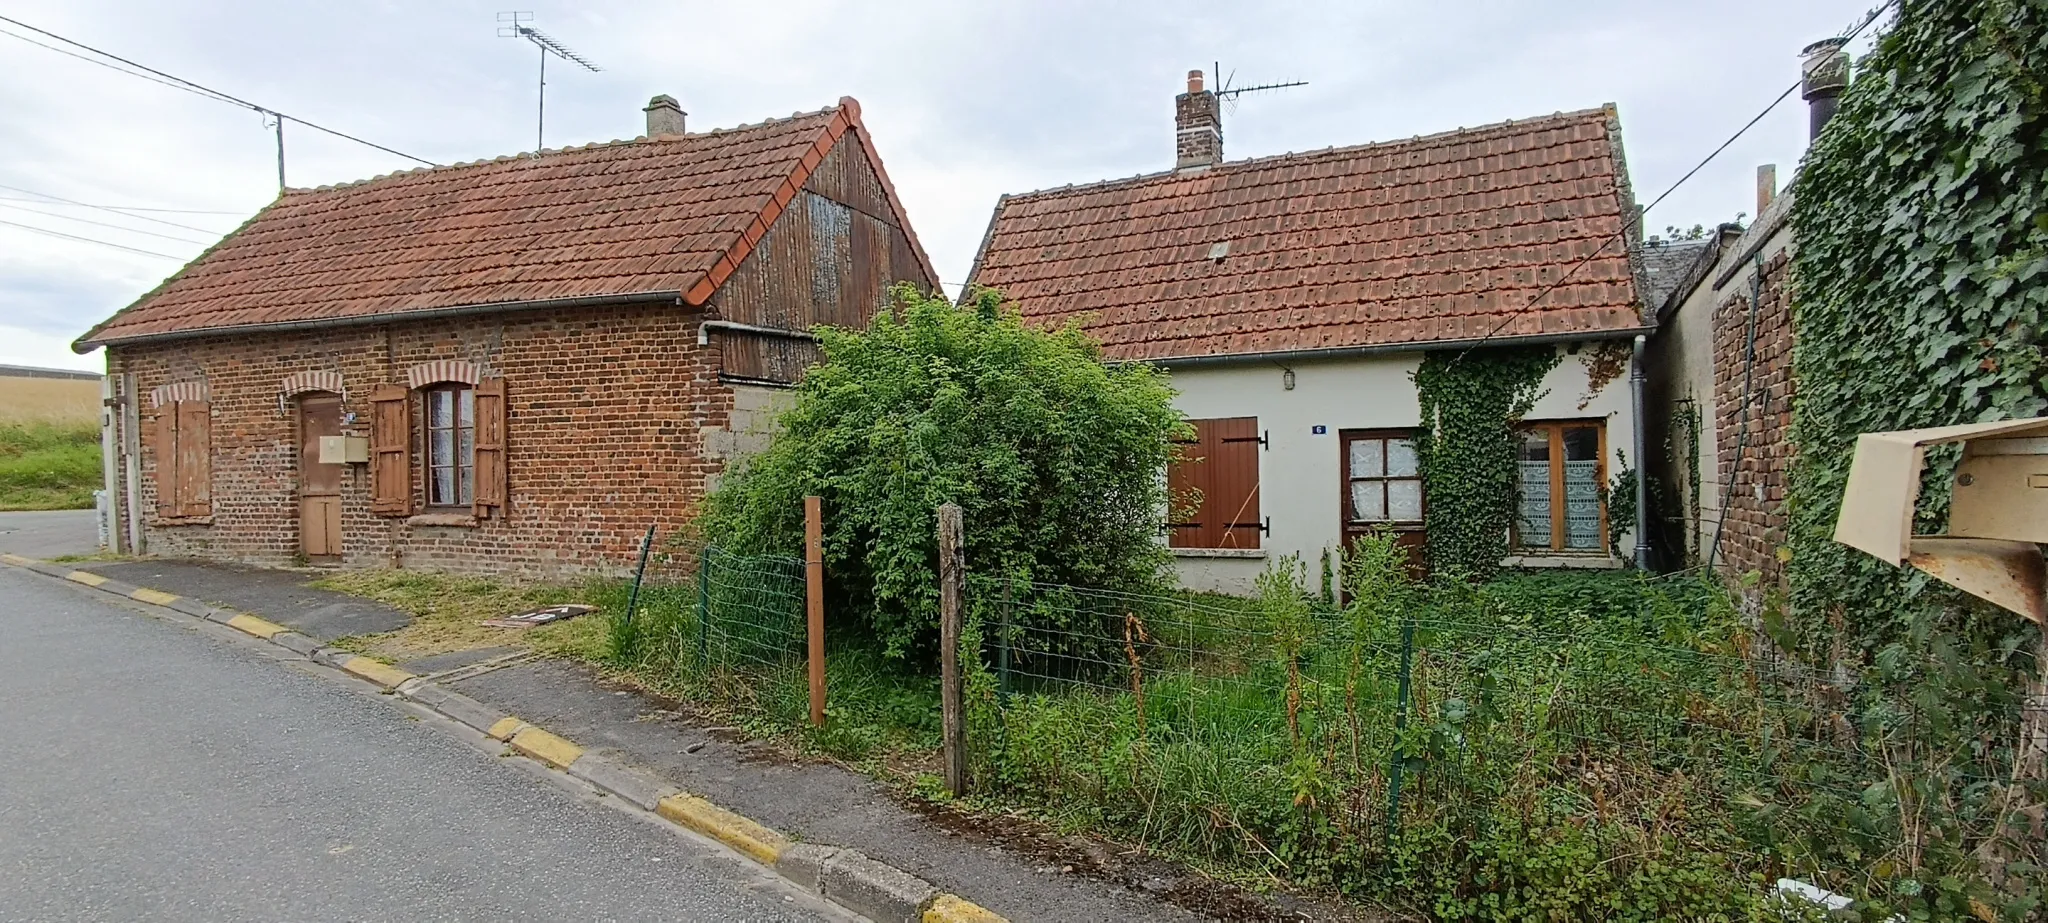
[952,564]
[814,578]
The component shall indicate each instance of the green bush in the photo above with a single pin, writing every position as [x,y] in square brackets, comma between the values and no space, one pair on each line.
[1054,456]
[48,467]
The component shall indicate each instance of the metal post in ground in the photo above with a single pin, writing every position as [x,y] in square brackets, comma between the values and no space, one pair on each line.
[703,608]
[951,695]
[1003,649]
[1398,764]
[814,581]
[639,574]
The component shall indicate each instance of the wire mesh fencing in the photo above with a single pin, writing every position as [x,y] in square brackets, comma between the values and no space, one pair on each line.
[710,620]
[1304,736]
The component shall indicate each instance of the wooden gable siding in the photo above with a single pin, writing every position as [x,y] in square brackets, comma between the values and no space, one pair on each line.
[829,259]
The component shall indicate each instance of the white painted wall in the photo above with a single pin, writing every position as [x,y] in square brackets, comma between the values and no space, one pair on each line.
[1299,471]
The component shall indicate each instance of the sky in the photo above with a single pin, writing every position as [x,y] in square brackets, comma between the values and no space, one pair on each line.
[965,100]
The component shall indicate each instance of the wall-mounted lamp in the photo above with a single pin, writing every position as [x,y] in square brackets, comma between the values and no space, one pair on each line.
[1287,379]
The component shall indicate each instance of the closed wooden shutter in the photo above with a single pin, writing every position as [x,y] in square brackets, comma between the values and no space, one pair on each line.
[391,451]
[167,461]
[195,458]
[491,489]
[1223,465]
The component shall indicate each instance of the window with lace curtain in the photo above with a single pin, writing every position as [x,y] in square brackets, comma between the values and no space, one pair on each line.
[1561,502]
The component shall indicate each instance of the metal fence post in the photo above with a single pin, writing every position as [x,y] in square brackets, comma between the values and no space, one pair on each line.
[1003,649]
[1398,763]
[633,598]
[703,607]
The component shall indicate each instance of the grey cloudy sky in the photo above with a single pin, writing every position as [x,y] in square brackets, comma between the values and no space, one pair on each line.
[966,100]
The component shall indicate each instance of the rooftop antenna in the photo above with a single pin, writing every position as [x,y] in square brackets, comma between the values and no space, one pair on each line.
[513,24]
[1229,94]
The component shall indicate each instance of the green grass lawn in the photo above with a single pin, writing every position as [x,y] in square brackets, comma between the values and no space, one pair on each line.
[48,466]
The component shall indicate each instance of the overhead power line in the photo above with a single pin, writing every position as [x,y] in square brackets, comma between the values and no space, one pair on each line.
[1629,223]
[89,240]
[201,89]
[104,208]
[104,224]
[127,208]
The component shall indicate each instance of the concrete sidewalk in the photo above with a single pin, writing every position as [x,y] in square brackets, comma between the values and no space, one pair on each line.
[1013,867]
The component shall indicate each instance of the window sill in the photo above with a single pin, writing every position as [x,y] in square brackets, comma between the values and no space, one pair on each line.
[161,522]
[443,520]
[1565,560]
[1218,552]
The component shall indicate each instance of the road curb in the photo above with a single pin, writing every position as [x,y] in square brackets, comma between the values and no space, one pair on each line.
[843,876]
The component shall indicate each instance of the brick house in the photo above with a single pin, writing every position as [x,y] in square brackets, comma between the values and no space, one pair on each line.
[542,355]
[1721,379]
[1292,298]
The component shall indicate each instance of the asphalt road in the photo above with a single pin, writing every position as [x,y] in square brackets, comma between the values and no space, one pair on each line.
[151,770]
[49,534]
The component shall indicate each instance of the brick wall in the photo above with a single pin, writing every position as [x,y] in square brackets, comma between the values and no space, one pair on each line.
[607,411]
[1753,524]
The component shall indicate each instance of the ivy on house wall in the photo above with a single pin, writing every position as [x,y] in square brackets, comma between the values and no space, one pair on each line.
[1471,401]
[1921,296]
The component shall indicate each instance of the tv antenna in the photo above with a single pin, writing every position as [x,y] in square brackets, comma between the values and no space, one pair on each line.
[514,25]
[1229,94]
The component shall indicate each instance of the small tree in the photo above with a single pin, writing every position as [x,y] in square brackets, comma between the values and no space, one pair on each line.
[1056,458]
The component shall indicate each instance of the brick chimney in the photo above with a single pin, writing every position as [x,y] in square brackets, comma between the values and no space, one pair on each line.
[1824,74]
[1198,127]
[664,116]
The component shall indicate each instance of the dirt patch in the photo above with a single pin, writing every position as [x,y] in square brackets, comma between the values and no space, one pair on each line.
[447,612]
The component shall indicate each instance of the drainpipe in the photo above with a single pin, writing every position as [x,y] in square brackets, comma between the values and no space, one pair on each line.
[1636,379]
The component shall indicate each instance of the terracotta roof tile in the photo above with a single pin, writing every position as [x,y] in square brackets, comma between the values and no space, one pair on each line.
[1427,240]
[670,214]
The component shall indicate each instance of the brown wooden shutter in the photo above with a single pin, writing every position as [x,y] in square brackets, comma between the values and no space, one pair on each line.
[1231,508]
[1223,464]
[391,451]
[1190,474]
[491,489]
[195,458]
[167,461]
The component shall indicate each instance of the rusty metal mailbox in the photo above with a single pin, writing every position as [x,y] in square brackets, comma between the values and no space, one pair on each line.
[1998,518]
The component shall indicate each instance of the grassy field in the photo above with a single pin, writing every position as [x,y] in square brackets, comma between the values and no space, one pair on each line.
[48,466]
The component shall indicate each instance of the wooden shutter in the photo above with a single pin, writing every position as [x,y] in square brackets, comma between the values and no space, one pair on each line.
[391,451]
[1223,464]
[167,461]
[195,458]
[1190,474]
[491,488]
[1231,508]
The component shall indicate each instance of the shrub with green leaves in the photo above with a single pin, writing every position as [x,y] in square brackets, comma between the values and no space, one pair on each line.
[1055,457]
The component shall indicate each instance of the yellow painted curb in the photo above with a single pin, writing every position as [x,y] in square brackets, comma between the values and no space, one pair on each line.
[251,625]
[950,908]
[542,745]
[86,577]
[153,597]
[16,559]
[759,843]
[505,728]
[383,674]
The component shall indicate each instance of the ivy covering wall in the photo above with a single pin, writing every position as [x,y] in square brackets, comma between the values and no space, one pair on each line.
[1471,400]
[1921,280]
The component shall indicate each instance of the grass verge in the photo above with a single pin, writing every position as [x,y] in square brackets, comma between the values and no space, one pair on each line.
[48,466]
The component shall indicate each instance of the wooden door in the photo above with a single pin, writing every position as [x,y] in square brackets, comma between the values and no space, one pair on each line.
[1382,485]
[319,485]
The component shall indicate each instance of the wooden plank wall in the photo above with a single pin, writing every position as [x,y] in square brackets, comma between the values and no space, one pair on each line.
[830,259]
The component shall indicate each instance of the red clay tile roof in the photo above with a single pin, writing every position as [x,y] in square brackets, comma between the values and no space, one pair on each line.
[673,214]
[1431,240]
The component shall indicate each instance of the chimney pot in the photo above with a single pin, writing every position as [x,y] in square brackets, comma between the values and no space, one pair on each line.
[1198,127]
[1766,187]
[664,116]
[1824,74]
